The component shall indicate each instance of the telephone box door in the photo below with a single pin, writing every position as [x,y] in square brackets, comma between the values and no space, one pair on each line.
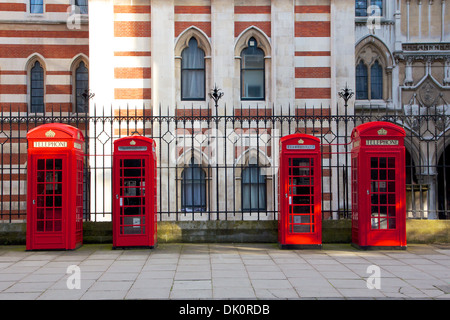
[300,221]
[48,223]
[55,187]
[378,186]
[384,196]
[134,215]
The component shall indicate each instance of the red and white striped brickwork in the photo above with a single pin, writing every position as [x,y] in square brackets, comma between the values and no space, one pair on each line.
[45,37]
[312,53]
[25,38]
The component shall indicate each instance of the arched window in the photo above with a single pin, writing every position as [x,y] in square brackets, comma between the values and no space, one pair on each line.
[37,88]
[252,72]
[369,81]
[361,81]
[193,188]
[376,81]
[81,87]
[253,189]
[193,72]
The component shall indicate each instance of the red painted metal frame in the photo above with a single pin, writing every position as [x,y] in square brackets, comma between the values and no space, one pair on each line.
[138,227]
[378,186]
[300,225]
[54,188]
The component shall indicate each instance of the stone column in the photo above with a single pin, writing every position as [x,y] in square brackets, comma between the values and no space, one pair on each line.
[163,97]
[101,83]
[222,34]
[342,74]
[282,37]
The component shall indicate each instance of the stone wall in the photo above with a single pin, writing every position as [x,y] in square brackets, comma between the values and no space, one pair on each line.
[333,231]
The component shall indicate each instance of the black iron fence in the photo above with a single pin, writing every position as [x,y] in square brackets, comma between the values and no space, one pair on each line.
[221,163]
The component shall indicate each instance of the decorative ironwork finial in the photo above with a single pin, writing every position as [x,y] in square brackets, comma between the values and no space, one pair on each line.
[216,94]
[346,94]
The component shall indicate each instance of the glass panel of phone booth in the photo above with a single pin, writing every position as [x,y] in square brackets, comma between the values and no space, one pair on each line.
[382,193]
[132,196]
[301,195]
[49,200]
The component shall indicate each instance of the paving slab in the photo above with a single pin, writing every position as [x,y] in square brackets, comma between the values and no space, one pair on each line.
[225,271]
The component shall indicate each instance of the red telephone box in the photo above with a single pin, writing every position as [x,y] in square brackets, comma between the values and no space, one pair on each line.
[300,192]
[378,186]
[55,187]
[134,192]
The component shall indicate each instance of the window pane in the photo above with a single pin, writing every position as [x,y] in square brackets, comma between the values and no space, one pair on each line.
[37,88]
[193,188]
[253,84]
[252,72]
[361,8]
[253,189]
[376,81]
[193,72]
[192,84]
[36,6]
[82,6]
[82,87]
[379,4]
[361,81]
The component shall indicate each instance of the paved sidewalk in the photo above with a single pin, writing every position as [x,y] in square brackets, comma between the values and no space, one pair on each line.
[225,271]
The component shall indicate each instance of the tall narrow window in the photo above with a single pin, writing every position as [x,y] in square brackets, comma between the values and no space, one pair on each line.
[193,72]
[82,5]
[252,72]
[253,189]
[37,88]
[193,188]
[36,6]
[361,81]
[81,87]
[376,81]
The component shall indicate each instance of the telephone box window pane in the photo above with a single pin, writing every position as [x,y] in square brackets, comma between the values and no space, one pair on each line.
[49,205]
[383,197]
[49,164]
[391,162]
[40,213]
[392,223]
[40,188]
[49,177]
[299,228]
[58,164]
[41,164]
[131,163]
[58,224]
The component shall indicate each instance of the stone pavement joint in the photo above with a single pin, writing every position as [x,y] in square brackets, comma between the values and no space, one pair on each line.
[225,271]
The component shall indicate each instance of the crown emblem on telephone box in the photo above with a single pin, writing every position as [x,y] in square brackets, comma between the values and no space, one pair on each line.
[50,134]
